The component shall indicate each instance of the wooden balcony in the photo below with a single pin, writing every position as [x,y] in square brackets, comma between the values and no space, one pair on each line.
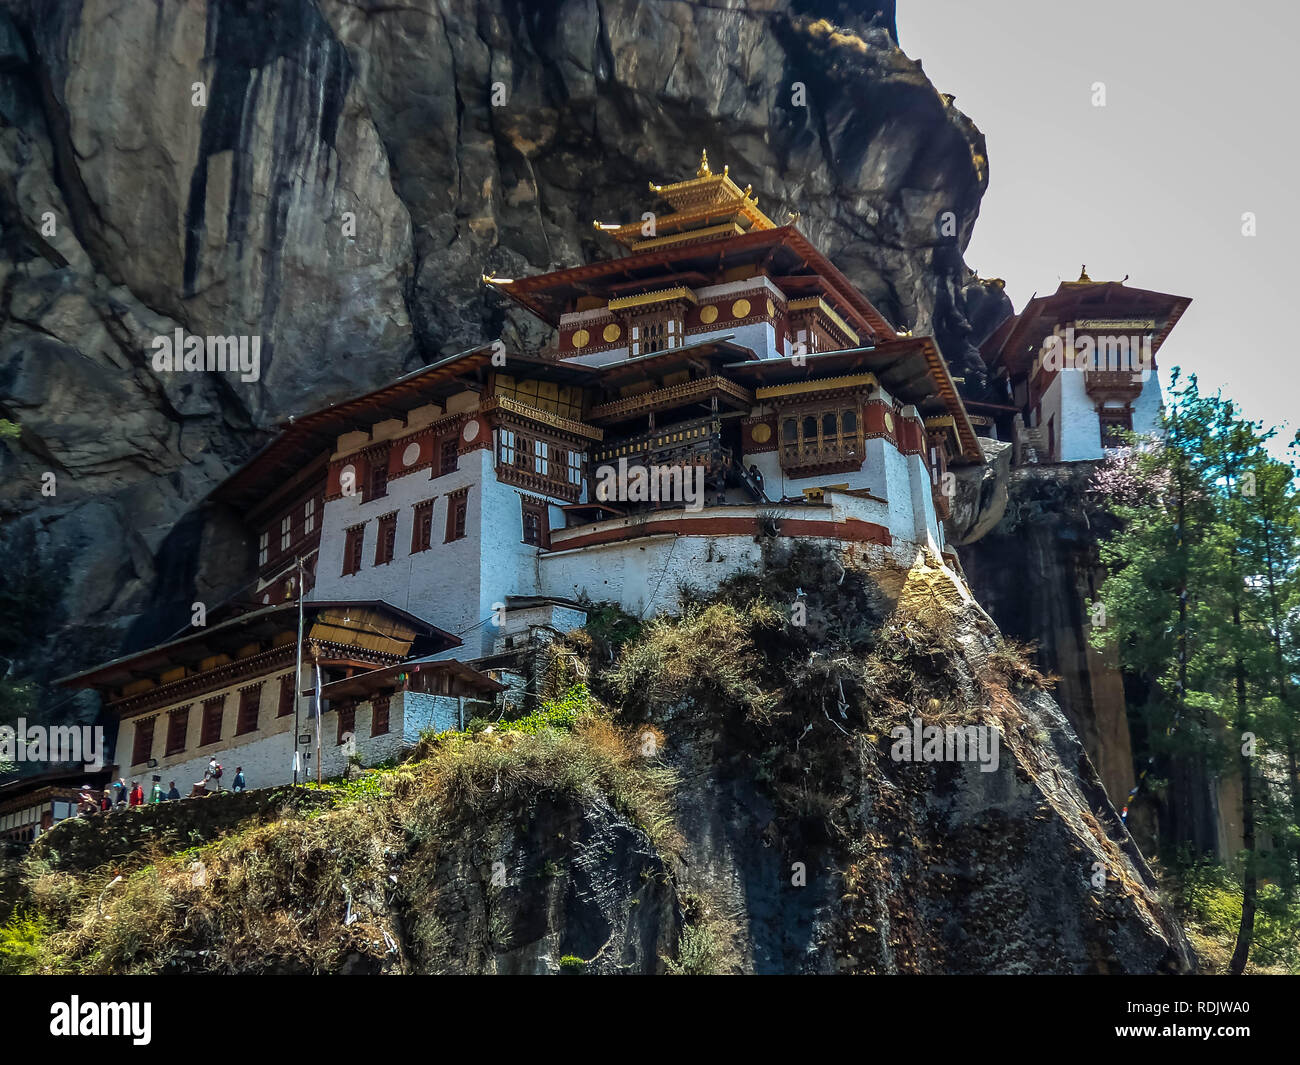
[700,390]
[1124,385]
[806,459]
[540,484]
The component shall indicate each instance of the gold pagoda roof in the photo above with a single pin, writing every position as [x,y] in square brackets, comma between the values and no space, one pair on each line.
[703,207]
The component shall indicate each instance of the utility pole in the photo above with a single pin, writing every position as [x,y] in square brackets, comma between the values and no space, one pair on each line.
[316,659]
[297,676]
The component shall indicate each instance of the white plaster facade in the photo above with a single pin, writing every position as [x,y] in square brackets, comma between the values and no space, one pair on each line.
[267,754]
[1068,407]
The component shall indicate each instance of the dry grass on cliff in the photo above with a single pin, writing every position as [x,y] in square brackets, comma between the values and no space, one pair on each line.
[309,891]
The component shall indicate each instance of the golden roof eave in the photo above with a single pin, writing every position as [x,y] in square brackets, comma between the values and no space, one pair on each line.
[663,295]
[817,384]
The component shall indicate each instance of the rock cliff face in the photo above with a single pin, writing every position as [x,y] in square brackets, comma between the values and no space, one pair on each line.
[1035,572]
[737,801]
[333,177]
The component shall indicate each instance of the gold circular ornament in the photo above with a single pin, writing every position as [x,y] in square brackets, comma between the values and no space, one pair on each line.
[889,422]
[771,309]
[761,433]
[740,309]
[581,338]
[708,314]
[611,333]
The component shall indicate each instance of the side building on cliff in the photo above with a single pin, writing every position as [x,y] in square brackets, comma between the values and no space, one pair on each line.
[717,380]
[1077,369]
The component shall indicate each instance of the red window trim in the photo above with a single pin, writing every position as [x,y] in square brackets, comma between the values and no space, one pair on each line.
[212,709]
[354,545]
[457,515]
[287,696]
[144,736]
[176,737]
[379,715]
[422,530]
[386,541]
[347,722]
[250,709]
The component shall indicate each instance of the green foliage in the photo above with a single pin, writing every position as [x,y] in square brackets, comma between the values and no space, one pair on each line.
[560,713]
[1201,597]
[572,965]
[698,952]
[22,943]
[1211,898]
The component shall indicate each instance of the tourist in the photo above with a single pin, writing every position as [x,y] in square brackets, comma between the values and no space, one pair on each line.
[213,772]
[137,794]
[123,792]
[86,804]
[105,800]
[172,792]
[156,793]
[240,783]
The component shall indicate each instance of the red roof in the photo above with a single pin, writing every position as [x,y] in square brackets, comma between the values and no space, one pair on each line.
[784,249]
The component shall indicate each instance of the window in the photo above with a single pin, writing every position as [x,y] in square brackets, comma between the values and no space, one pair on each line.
[263,546]
[347,721]
[536,531]
[286,532]
[353,542]
[379,716]
[575,467]
[541,458]
[447,462]
[422,531]
[506,446]
[651,334]
[212,713]
[387,539]
[250,700]
[827,437]
[457,510]
[287,696]
[142,750]
[178,722]
[309,516]
[378,475]
[1114,423]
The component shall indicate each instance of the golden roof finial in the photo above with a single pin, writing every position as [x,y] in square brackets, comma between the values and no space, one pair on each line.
[704,170]
[1083,274]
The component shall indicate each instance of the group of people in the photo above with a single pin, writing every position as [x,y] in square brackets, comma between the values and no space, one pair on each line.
[90,803]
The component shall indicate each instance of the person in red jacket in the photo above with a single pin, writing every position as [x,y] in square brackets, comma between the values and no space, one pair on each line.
[137,794]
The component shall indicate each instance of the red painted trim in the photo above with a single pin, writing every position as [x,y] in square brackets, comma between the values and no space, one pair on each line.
[854,530]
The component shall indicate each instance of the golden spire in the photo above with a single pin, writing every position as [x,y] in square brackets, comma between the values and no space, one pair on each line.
[1083,274]
[704,170]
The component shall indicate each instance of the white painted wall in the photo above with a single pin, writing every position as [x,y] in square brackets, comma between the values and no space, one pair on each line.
[1078,428]
[267,755]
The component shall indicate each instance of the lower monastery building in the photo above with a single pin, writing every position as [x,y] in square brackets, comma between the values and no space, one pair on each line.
[718,379]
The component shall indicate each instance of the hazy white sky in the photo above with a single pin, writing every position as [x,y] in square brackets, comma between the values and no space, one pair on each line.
[1199,127]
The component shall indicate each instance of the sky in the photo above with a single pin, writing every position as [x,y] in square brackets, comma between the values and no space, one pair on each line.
[1198,128]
